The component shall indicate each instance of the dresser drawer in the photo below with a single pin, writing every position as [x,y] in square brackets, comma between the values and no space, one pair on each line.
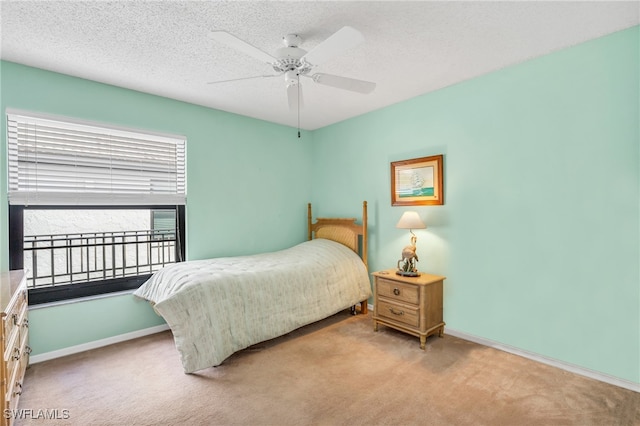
[11,320]
[16,361]
[397,291]
[399,313]
[15,382]
[18,326]
[11,360]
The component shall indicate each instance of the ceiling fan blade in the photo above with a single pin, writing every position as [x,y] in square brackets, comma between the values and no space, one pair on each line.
[241,46]
[342,40]
[345,83]
[294,95]
[244,78]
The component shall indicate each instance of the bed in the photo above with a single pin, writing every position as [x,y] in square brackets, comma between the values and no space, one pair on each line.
[216,307]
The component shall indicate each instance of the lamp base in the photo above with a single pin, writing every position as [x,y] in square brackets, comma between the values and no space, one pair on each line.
[407,273]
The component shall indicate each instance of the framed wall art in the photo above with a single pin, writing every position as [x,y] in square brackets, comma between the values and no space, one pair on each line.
[417,182]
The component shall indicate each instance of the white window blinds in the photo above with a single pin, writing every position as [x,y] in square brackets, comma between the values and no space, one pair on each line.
[57,162]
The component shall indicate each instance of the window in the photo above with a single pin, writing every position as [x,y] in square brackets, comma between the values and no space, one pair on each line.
[87,182]
[163,224]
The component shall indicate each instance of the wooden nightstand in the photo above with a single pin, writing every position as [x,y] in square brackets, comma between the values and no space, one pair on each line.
[409,304]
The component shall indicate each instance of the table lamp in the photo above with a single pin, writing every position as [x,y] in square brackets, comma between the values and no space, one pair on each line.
[407,265]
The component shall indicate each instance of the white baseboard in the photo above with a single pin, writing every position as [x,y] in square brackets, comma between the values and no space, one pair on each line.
[545,360]
[96,344]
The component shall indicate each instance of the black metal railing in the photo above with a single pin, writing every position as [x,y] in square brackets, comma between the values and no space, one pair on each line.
[63,259]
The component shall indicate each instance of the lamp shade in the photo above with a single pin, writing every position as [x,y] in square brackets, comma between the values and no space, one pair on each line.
[410,220]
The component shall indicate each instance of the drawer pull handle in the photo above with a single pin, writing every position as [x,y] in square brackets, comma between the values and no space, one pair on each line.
[394,312]
[15,319]
[16,354]
[28,350]
[26,323]
[396,291]
[18,392]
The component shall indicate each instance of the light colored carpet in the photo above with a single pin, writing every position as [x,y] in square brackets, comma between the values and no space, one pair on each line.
[335,372]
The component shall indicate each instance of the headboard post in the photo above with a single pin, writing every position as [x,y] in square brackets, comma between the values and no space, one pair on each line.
[309,220]
[364,233]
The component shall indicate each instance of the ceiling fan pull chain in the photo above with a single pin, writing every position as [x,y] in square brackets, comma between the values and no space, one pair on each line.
[298,105]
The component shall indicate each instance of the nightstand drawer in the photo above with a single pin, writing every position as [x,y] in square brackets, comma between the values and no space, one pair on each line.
[397,291]
[399,313]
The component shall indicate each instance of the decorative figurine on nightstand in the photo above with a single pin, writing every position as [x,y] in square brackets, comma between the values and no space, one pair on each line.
[407,265]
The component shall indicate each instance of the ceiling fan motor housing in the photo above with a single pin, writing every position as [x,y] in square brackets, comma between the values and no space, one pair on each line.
[289,63]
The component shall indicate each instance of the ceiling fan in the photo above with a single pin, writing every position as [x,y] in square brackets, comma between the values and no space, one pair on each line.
[292,62]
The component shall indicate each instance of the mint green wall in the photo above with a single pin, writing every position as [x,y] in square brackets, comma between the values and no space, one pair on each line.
[247,182]
[104,317]
[539,234]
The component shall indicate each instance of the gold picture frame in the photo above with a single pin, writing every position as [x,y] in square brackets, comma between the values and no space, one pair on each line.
[417,182]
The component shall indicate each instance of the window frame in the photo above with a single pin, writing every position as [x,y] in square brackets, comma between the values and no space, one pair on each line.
[90,288]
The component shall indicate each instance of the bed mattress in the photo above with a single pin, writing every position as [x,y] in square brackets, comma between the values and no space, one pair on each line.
[216,307]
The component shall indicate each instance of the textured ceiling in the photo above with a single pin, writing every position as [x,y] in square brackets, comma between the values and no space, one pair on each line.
[410,48]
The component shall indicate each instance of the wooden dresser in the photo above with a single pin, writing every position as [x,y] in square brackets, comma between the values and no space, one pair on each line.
[409,304]
[14,335]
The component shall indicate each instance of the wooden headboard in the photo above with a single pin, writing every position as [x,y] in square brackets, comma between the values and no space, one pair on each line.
[342,230]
